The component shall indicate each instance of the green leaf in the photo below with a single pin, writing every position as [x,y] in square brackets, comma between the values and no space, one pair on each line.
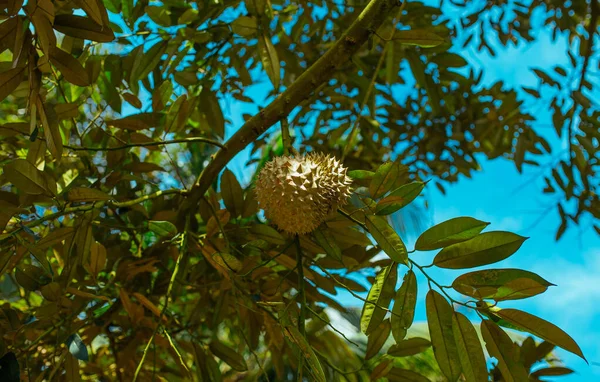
[227,261]
[188,16]
[9,81]
[159,14]
[397,374]
[439,319]
[26,177]
[49,121]
[501,347]
[384,179]
[82,27]
[486,248]
[245,26]
[552,371]
[326,240]
[378,299]
[269,59]
[228,355]
[500,284]
[30,277]
[405,301]
[142,67]
[361,174]
[162,228]
[541,328]
[377,339]
[232,193]
[449,232]
[419,37]
[267,233]
[399,198]
[387,238]
[77,348]
[313,364]
[409,347]
[82,194]
[469,349]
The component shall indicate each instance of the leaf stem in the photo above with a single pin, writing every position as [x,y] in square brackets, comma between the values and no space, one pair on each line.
[302,300]
[146,144]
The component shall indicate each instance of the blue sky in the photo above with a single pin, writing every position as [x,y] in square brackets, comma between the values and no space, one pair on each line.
[512,202]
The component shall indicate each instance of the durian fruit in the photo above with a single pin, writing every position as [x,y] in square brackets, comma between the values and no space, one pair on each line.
[299,192]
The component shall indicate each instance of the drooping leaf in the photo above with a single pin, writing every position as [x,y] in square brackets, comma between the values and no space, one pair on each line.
[72,368]
[378,299]
[409,347]
[313,365]
[501,347]
[469,348]
[76,347]
[541,328]
[439,319]
[419,37]
[97,259]
[399,198]
[405,301]
[552,371]
[500,284]
[269,59]
[51,130]
[82,27]
[387,238]
[483,249]
[450,232]
[232,193]
[377,339]
[31,277]
[142,67]
[361,174]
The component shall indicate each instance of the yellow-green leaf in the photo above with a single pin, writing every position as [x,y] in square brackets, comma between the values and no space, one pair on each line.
[26,177]
[268,233]
[500,284]
[51,130]
[377,339]
[449,232]
[162,228]
[269,59]
[439,319]
[469,348]
[378,299]
[142,67]
[483,249]
[313,365]
[399,198]
[409,347]
[420,37]
[540,328]
[326,240]
[405,301]
[383,179]
[92,8]
[82,194]
[97,259]
[397,374]
[244,26]
[227,261]
[70,68]
[387,238]
[9,81]
[232,193]
[501,347]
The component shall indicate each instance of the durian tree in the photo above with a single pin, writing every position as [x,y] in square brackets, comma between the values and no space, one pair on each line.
[131,249]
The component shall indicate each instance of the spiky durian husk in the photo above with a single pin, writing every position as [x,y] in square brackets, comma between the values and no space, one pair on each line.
[299,192]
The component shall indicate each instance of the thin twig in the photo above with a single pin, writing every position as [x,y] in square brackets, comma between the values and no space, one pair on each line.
[302,301]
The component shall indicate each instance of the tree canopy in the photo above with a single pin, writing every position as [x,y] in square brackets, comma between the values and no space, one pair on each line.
[130,250]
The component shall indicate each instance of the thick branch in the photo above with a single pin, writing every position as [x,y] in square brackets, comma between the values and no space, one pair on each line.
[369,20]
[145,144]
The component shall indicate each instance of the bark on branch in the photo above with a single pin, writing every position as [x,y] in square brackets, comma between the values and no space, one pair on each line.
[369,20]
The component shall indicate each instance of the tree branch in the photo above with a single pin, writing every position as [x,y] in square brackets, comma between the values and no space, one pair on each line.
[369,20]
[146,144]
